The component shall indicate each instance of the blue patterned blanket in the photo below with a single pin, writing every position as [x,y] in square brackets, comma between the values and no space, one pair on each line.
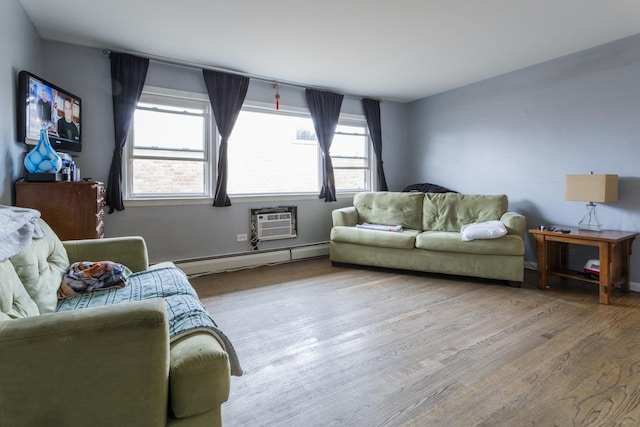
[185,311]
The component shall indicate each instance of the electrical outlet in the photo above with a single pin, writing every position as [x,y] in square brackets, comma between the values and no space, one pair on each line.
[241,238]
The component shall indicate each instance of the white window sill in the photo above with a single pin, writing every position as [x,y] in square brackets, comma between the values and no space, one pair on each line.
[234,199]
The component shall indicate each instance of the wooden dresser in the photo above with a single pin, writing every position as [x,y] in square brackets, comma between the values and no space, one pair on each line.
[74,210]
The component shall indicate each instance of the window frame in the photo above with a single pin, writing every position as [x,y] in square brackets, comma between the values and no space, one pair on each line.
[354,120]
[346,119]
[186,100]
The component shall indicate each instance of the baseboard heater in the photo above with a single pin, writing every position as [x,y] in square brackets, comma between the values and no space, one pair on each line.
[230,262]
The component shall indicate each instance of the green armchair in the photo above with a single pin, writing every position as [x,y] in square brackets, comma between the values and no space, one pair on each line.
[111,365]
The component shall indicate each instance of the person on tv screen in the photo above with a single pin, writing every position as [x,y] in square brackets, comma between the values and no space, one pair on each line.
[44,107]
[66,128]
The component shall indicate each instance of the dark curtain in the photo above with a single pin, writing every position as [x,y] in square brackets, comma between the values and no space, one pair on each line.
[226,94]
[325,112]
[372,114]
[128,73]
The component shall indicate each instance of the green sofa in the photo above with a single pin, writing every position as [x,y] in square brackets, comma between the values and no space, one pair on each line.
[109,365]
[430,239]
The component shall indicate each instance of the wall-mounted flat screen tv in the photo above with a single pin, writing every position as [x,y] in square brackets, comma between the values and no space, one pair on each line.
[45,105]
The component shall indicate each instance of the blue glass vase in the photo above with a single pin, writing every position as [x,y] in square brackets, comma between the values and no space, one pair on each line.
[43,158]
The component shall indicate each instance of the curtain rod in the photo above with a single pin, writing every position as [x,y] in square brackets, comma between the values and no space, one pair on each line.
[196,66]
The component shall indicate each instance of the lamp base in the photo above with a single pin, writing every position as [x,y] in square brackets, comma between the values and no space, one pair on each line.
[590,220]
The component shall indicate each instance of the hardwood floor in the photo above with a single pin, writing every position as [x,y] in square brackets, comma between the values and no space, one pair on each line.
[344,346]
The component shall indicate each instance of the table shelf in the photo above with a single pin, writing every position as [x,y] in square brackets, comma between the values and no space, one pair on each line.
[571,274]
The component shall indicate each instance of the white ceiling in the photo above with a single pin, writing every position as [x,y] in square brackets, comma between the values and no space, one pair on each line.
[395,49]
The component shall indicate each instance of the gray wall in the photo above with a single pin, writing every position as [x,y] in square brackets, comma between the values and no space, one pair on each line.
[521,133]
[21,49]
[191,231]
[517,134]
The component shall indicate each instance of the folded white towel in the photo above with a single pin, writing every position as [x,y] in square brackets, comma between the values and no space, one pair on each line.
[17,227]
[380,227]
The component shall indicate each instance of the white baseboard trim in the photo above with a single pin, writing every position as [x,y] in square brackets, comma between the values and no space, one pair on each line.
[314,251]
[231,262]
[530,265]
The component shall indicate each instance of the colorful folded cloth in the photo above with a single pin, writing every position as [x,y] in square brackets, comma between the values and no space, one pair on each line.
[88,276]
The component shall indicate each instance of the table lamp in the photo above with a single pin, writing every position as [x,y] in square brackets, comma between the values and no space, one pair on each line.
[591,188]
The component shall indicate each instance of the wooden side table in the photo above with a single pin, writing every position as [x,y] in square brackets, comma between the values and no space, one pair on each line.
[615,251]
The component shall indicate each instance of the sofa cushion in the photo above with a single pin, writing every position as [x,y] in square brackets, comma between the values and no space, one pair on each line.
[186,314]
[14,300]
[449,241]
[401,240]
[450,211]
[390,208]
[40,267]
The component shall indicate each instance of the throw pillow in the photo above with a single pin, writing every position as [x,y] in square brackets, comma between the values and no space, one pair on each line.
[483,230]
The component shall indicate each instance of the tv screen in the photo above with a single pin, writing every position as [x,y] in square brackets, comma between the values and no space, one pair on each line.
[45,105]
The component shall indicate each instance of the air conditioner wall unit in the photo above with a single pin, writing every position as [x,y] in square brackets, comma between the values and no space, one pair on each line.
[274,223]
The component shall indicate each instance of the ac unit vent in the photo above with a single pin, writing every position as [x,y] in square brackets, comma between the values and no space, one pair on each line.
[274,226]
[274,223]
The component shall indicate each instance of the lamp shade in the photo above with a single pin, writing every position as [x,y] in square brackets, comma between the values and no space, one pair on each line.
[591,188]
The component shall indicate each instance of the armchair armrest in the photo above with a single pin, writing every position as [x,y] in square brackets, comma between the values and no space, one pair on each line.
[345,216]
[96,366]
[130,251]
[515,223]
[198,361]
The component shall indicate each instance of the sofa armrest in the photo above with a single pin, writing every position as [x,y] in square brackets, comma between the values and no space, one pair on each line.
[198,362]
[98,366]
[515,223]
[130,251]
[345,216]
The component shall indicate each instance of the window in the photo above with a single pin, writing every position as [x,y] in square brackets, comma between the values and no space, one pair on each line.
[277,152]
[350,156]
[169,144]
[169,152]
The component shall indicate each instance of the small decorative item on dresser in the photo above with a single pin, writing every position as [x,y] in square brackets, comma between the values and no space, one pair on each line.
[43,158]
